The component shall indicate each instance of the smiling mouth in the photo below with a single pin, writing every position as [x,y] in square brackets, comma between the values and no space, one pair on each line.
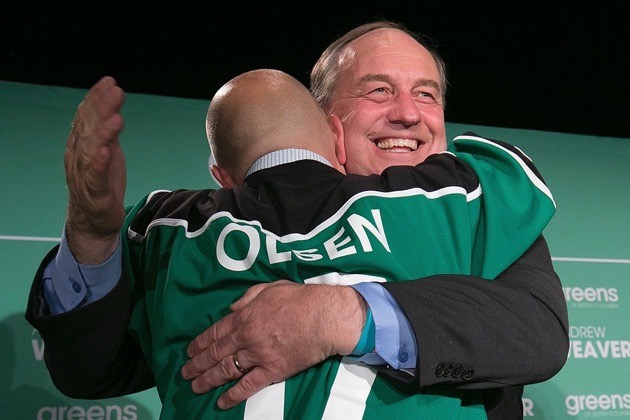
[396,144]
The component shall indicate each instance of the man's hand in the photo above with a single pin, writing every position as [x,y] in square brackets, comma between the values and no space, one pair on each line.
[95,174]
[276,330]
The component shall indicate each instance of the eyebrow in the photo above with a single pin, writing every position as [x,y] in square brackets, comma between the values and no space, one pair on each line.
[379,77]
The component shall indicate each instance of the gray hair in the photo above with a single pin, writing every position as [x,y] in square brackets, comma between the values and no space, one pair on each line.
[326,70]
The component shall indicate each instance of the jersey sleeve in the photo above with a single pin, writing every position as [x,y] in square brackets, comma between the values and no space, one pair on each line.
[517,204]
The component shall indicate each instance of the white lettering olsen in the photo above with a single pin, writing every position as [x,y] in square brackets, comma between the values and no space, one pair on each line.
[339,245]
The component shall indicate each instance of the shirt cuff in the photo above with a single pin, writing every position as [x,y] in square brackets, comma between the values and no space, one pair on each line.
[68,284]
[395,343]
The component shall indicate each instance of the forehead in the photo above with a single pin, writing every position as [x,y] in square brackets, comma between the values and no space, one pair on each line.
[391,52]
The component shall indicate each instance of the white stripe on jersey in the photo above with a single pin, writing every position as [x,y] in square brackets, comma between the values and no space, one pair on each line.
[266,404]
[349,391]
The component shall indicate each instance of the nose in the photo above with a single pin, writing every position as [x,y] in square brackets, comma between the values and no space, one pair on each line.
[404,110]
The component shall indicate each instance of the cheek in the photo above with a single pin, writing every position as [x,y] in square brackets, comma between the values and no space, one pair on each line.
[362,116]
[440,145]
[354,132]
[355,146]
[357,154]
[434,119]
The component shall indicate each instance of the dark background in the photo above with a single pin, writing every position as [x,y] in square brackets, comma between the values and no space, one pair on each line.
[559,66]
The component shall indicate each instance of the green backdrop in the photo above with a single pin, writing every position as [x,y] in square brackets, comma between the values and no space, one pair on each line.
[165,145]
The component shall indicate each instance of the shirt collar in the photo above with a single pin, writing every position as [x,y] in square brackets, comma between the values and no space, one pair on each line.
[283,156]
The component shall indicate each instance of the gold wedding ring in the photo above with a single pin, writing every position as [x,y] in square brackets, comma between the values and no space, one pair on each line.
[238,365]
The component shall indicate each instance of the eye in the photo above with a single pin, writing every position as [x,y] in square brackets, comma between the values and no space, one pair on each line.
[378,94]
[377,91]
[426,96]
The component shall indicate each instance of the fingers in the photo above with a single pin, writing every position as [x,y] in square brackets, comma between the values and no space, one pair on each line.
[227,370]
[211,355]
[223,338]
[252,338]
[248,296]
[253,292]
[96,126]
[208,363]
[98,121]
[208,338]
[106,96]
[102,102]
[247,386]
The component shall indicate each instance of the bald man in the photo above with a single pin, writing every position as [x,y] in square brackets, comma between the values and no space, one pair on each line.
[290,213]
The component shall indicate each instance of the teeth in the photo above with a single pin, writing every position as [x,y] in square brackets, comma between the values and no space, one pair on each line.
[391,143]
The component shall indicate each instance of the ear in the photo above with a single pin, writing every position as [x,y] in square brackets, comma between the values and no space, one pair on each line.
[340,146]
[222,176]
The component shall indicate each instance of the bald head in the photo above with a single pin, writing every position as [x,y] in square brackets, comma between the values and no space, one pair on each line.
[262,111]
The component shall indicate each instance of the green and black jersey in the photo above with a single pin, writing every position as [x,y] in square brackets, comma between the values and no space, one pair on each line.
[190,254]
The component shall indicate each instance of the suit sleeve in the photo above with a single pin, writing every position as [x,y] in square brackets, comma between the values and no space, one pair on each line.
[88,351]
[475,333]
